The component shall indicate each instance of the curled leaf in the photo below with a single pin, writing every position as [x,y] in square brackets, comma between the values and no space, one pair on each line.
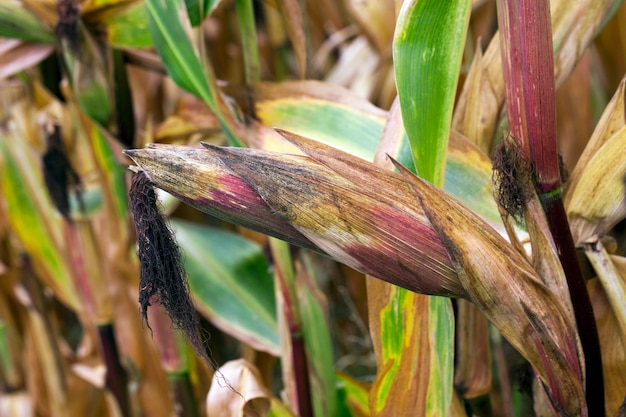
[599,200]
[243,395]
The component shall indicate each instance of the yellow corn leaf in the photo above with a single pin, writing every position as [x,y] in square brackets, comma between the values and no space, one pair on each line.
[598,199]
[407,365]
[610,271]
[613,119]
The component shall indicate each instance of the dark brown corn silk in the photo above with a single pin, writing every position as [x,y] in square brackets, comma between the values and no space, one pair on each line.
[66,29]
[512,175]
[59,176]
[162,279]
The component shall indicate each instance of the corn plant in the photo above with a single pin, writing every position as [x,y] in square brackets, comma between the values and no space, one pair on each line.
[391,228]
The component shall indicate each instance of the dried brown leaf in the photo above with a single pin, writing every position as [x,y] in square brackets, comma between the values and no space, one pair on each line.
[466,119]
[613,343]
[472,373]
[294,18]
[503,284]
[613,119]
[586,16]
[377,19]
[16,56]
[237,391]
[611,273]
[191,117]
[575,113]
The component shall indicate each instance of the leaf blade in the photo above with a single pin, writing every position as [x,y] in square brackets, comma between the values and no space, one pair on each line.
[174,47]
[426,63]
[229,279]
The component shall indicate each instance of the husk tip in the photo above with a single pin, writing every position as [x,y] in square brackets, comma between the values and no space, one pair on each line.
[401,168]
[209,146]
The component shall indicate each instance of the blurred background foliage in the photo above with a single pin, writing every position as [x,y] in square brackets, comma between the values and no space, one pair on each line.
[80,80]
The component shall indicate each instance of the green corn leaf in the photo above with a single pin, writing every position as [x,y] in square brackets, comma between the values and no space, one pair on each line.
[87,72]
[353,396]
[95,100]
[180,59]
[441,338]
[350,123]
[198,10]
[313,313]
[341,128]
[17,22]
[427,51]
[129,29]
[5,355]
[111,170]
[176,51]
[229,279]
[249,42]
[195,11]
